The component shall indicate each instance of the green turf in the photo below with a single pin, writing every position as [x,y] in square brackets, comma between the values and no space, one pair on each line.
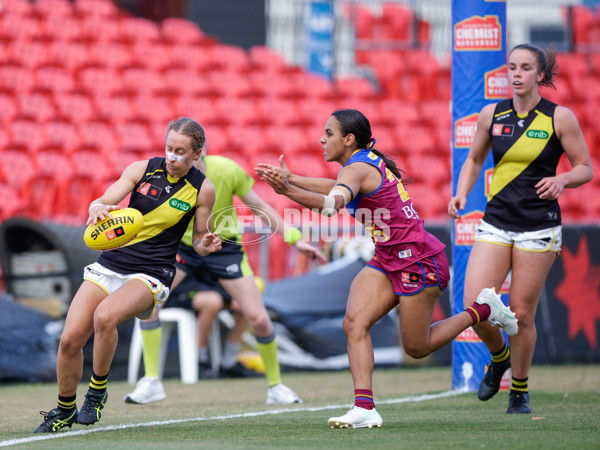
[566,414]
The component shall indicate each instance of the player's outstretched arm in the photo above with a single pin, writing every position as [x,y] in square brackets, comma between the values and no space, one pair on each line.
[318,185]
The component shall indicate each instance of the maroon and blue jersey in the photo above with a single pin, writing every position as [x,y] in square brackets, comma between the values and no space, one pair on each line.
[390,218]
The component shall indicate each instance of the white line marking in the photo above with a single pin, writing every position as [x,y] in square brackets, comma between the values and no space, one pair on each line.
[65,434]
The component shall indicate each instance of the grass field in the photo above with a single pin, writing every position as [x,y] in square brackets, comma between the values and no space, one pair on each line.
[417,407]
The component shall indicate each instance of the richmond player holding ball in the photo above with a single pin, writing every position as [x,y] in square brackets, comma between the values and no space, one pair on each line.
[132,280]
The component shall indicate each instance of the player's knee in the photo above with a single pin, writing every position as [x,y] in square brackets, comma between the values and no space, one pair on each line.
[103,320]
[415,350]
[70,343]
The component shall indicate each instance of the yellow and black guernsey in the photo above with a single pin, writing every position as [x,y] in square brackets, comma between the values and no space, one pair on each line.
[168,204]
[525,150]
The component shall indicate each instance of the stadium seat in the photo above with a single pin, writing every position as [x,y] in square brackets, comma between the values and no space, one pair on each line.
[104,9]
[153,108]
[229,58]
[281,112]
[114,108]
[8,106]
[53,79]
[16,79]
[190,57]
[265,59]
[18,27]
[11,205]
[229,84]
[138,81]
[111,55]
[179,31]
[59,134]
[40,192]
[75,195]
[37,106]
[309,86]
[25,134]
[76,108]
[70,55]
[54,162]
[134,137]
[99,29]
[184,83]
[154,56]
[99,81]
[354,89]
[399,21]
[53,8]
[136,29]
[28,53]
[17,7]
[99,135]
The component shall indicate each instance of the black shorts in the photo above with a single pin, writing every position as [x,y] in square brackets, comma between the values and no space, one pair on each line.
[230,262]
[181,296]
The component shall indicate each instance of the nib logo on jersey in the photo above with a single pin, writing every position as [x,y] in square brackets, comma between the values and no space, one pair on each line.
[149,190]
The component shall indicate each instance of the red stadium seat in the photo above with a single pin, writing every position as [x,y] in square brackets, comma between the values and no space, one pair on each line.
[136,29]
[8,106]
[100,136]
[36,106]
[355,89]
[137,81]
[190,57]
[17,7]
[11,204]
[134,137]
[57,8]
[18,166]
[75,107]
[58,134]
[92,163]
[30,54]
[184,82]
[116,108]
[105,9]
[16,79]
[54,162]
[181,31]
[229,58]
[265,59]
[25,134]
[98,29]
[70,55]
[99,81]
[153,108]
[155,56]
[42,194]
[22,27]
[112,55]
[74,196]
[52,79]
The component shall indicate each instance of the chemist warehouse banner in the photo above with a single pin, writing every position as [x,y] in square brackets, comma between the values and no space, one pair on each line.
[479,77]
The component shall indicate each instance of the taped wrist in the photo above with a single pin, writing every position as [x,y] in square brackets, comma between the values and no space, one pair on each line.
[329,202]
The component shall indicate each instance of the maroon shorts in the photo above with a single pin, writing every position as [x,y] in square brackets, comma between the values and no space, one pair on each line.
[431,271]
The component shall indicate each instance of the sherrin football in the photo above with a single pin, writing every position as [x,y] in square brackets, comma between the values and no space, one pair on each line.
[109,234]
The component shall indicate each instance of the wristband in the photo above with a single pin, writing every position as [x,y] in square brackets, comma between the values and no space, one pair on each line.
[292,235]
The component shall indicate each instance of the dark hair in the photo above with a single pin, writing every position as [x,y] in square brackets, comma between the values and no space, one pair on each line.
[191,128]
[354,122]
[546,62]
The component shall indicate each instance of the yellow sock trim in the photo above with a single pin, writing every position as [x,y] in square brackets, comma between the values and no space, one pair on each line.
[476,314]
[268,353]
[519,386]
[98,385]
[151,340]
[502,355]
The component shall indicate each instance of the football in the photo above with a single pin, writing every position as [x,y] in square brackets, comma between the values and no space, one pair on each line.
[112,233]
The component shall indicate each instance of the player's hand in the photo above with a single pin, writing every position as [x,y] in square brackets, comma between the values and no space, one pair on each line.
[211,242]
[98,211]
[274,177]
[310,251]
[455,204]
[549,188]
